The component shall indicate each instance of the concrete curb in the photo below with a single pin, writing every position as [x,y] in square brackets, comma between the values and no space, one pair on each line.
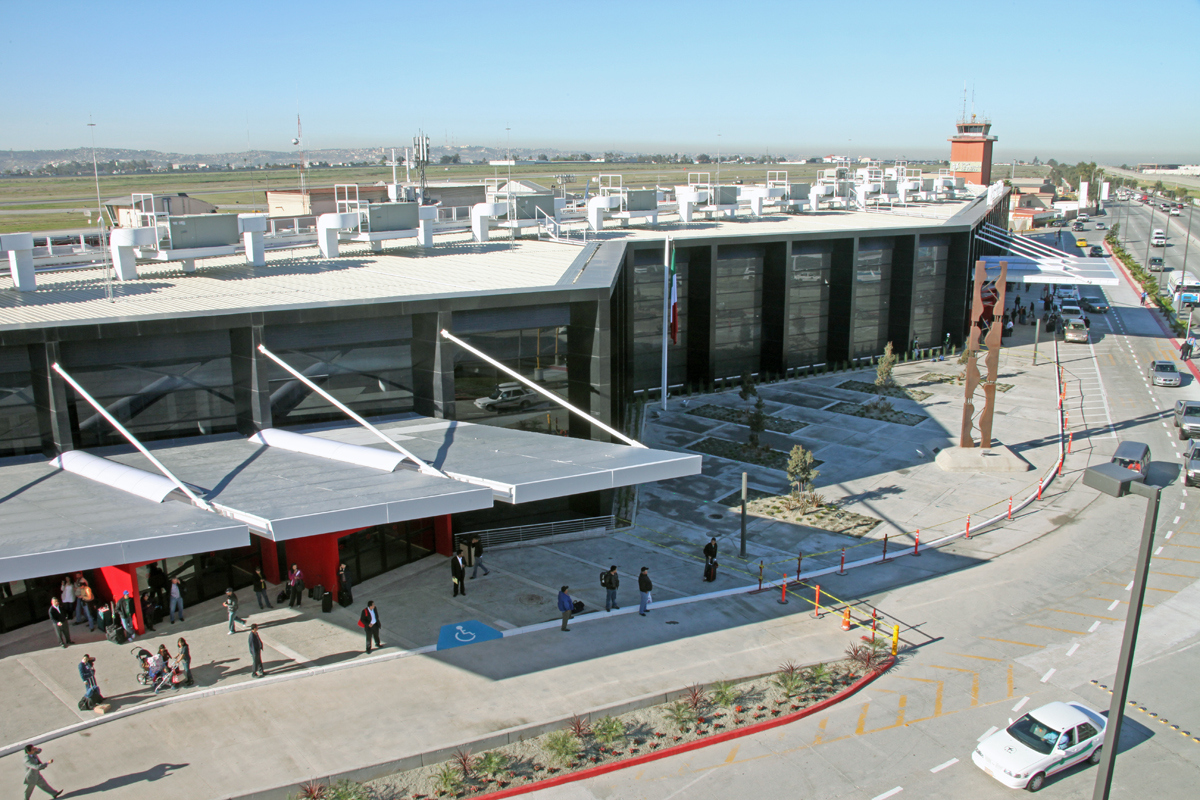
[506,737]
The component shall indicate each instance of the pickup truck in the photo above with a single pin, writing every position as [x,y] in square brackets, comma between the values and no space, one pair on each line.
[1187,418]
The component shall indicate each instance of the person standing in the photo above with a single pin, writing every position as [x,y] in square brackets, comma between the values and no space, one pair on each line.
[566,605]
[295,586]
[260,590]
[345,595]
[87,673]
[67,594]
[458,574]
[33,773]
[477,553]
[231,606]
[175,599]
[58,616]
[184,660]
[710,556]
[157,580]
[368,620]
[256,648]
[84,598]
[611,582]
[645,587]
[125,614]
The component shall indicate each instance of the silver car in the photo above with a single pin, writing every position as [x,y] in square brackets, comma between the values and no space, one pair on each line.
[1191,464]
[1164,373]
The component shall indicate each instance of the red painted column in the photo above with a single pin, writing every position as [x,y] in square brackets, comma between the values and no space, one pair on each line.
[115,581]
[317,557]
[443,536]
[270,558]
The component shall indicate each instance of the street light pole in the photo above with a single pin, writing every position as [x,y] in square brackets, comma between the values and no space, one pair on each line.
[1149,238]
[1187,237]
[743,553]
[1133,618]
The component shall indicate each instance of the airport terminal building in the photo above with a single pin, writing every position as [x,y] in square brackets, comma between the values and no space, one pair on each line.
[188,354]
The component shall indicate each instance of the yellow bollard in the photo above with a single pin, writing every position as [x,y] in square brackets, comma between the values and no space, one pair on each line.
[895,639]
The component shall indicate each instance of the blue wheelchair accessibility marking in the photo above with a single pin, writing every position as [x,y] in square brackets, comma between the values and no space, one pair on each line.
[464,633]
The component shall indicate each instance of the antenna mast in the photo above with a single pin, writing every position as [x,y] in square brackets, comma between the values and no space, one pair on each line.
[421,154]
[299,140]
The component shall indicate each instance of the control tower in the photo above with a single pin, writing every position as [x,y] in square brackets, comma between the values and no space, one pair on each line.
[971,150]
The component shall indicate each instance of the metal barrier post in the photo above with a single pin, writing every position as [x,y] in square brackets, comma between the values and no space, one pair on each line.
[1070,441]
[895,639]
[968,526]
[799,563]
[760,574]
[817,604]
[885,558]
[842,569]
[1040,480]
[917,544]
[783,597]
[1010,507]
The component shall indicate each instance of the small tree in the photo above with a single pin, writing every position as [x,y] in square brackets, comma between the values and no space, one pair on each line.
[749,389]
[883,373]
[801,469]
[756,420]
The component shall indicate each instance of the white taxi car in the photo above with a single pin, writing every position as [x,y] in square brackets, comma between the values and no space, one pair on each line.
[1044,741]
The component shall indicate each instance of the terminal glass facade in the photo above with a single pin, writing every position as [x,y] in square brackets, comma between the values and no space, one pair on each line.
[646,312]
[872,297]
[808,304]
[929,289]
[485,394]
[737,311]
[19,433]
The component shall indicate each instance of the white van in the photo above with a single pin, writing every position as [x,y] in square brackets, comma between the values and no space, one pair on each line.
[1159,238]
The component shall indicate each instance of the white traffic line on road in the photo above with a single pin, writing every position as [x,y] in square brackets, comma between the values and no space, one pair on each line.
[1049,672]
[888,794]
[987,733]
[1176,522]
[1095,625]
[1114,604]
[1021,703]
[941,767]
[1158,551]
[1074,647]
[1170,534]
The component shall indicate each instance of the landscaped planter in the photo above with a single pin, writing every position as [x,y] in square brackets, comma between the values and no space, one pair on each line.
[651,737]
[827,517]
[885,391]
[763,457]
[869,412]
[737,416]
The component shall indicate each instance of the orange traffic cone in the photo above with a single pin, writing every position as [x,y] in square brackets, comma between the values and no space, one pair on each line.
[846,619]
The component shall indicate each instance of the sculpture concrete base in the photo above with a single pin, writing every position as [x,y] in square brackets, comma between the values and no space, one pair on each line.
[996,458]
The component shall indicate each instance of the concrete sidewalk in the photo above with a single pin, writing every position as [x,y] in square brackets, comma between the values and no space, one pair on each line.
[284,731]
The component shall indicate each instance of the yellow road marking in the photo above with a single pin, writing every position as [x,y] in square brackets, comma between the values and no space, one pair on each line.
[1010,641]
[1052,628]
[1190,546]
[1010,681]
[1148,588]
[1081,614]
[1173,575]
[937,698]
[981,658]
[821,731]
[732,754]
[1185,560]
[862,720]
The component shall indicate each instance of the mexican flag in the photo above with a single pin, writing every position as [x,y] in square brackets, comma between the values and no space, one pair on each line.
[674,299]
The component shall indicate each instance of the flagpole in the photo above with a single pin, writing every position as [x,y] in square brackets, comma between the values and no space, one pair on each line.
[666,315]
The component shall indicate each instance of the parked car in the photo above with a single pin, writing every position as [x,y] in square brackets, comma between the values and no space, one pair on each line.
[1101,226]
[1164,373]
[1081,242]
[508,396]
[1134,456]
[1097,305]
[1187,418]
[1045,741]
[1191,464]
[1096,251]
[1074,330]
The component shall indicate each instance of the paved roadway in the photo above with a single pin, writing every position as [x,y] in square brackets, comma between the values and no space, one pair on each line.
[1035,625]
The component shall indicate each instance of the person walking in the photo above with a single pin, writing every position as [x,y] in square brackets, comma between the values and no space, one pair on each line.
[175,599]
[368,620]
[566,605]
[59,616]
[345,595]
[87,673]
[645,586]
[295,586]
[260,590]
[33,773]
[184,661]
[458,574]
[256,648]
[710,558]
[1191,345]
[67,595]
[610,581]
[477,552]
[124,609]
[231,606]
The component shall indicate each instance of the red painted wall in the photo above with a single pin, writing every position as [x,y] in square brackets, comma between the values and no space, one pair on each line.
[317,557]
[114,581]
[443,536]
[270,558]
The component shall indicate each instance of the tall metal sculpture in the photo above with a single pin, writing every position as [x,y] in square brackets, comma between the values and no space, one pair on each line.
[994,320]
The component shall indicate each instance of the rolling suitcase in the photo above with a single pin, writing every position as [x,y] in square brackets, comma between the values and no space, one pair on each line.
[327,602]
[344,598]
[710,571]
[577,608]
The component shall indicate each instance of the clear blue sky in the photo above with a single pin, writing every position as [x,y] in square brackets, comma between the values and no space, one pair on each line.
[879,78]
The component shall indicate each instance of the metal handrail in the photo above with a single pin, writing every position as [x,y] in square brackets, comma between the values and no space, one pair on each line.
[495,537]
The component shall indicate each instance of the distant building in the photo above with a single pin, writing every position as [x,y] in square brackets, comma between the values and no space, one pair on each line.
[320,200]
[123,215]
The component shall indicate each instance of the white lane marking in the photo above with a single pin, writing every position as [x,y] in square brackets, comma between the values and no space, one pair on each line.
[888,794]
[1070,652]
[1170,534]
[987,733]
[1176,522]
[1046,677]
[1095,625]
[688,786]
[1129,588]
[1159,550]
[1185,492]
[1114,604]
[1021,703]
[941,767]
[1182,506]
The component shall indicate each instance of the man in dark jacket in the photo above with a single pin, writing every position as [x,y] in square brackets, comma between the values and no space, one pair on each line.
[645,587]
[369,622]
[458,573]
[58,616]
[260,590]
[477,552]
[710,555]
[87,673]
[566,605]
[125,614]
[256,648]
[611,582]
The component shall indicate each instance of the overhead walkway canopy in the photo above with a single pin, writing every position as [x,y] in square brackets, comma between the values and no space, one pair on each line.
[1032,261]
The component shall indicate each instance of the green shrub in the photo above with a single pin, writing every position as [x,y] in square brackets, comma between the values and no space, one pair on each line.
[562,746]
[347,790]
[491,764]
[448,779]
[609,730]
[725,694]
[681,714]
